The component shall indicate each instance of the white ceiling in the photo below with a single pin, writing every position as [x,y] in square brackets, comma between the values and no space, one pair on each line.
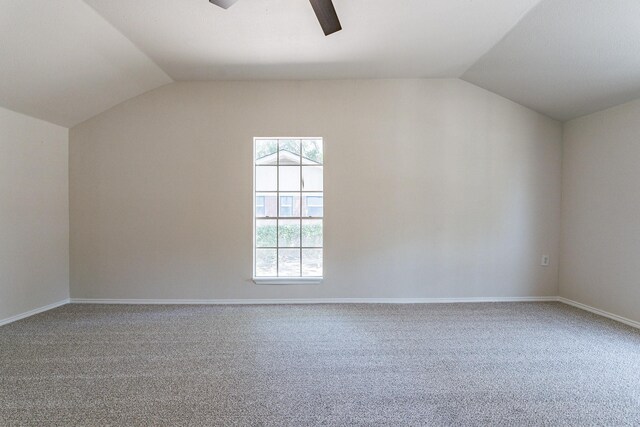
[281,39]
[567,58]
[67,60]
[62,62]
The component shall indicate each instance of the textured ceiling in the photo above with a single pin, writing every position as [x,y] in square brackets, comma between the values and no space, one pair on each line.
[65,61]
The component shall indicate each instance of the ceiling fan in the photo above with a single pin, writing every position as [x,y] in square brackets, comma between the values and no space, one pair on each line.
[325,12]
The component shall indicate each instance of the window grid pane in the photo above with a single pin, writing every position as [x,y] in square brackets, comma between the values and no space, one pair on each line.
[311,262]
[266,233]
[288,244]
[312,205]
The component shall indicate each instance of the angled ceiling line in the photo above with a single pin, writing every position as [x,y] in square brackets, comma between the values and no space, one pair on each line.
[501,39]
[134,44]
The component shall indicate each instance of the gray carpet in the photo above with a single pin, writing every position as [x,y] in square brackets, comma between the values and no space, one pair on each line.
[448,364]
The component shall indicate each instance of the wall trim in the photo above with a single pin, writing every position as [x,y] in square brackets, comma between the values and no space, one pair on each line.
[563,300]
[34,312]
[599,312]
[311,301]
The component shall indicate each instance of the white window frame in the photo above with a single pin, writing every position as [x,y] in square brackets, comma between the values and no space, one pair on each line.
[282,280]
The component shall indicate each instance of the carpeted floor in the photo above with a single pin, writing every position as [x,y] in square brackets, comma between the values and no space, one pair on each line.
[448,364]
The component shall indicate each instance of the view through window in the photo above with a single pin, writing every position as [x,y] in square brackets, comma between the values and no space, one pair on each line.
[288,207]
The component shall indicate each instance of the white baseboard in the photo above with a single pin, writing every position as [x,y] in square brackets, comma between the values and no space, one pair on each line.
[567,301]
[311,300]
[599,312]
[32,312]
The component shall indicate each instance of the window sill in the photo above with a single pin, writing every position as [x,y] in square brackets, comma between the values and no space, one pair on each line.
[287,280]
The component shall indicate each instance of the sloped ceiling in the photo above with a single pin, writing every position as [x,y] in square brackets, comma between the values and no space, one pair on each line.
[65,61]
[567,58]
[62,62]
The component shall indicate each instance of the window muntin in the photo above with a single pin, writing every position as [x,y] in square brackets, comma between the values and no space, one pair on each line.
[289,207]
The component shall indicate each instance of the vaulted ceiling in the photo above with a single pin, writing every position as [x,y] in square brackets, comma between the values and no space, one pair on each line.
[567,58]
[62,62]
[65,61]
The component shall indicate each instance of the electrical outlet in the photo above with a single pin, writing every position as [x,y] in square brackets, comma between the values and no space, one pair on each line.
[545,261]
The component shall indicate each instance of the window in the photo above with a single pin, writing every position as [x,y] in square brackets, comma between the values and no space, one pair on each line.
[289,210]
[313,206]
[286,206]
[260,206]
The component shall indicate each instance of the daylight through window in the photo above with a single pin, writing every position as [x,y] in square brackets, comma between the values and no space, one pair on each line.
[288,208]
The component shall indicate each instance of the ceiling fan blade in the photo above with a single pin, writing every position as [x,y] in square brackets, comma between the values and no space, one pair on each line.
[225,4]
[327,16]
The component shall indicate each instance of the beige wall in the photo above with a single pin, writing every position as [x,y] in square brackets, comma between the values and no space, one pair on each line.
[600,211]
[34,214]
[433,188]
